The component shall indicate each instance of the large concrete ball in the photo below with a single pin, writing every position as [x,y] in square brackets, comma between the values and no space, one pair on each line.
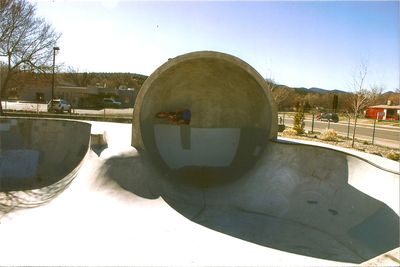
[231,111]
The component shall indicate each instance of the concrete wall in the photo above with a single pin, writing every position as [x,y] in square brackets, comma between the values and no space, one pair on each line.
[36,152]
[229,102]
[181,145]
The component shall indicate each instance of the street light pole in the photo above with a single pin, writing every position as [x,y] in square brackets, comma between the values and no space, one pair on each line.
[56,48]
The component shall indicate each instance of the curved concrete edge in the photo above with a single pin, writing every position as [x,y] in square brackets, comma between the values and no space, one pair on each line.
[377,161]
[137,140]
[15,200]
[330,197]
[91,196]
[30,198]
[44,151]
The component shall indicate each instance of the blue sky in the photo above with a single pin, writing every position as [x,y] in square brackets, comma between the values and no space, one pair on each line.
[302,44]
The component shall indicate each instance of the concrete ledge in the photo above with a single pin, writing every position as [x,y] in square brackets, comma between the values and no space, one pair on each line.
[59,146]
[379,162]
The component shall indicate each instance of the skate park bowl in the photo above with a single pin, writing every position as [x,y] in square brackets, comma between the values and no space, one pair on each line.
[304,199]
[37,153]
[231,115]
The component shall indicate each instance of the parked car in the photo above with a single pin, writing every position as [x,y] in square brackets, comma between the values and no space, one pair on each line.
[329,117]
[58,105]
[111,103]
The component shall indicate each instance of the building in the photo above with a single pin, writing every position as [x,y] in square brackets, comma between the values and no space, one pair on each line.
[92,96]
[383,112]
[34,93]
[80,97]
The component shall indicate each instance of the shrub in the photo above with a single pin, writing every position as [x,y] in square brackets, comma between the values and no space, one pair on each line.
[393,155]
[289,132]
[298,121]
[329,135]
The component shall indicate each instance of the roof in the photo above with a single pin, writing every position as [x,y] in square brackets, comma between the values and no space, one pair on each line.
[385,107]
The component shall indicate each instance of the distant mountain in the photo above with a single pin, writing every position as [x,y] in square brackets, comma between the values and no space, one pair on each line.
[336,91]
[325,91]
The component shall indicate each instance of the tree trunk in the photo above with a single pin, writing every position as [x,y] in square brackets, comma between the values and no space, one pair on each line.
[354,130]
[1,98]
[3,90]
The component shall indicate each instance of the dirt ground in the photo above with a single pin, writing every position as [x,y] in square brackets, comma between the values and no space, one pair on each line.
[360,145]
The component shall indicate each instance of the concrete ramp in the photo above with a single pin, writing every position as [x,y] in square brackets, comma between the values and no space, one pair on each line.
[35,153]
[302,199]
[246,197]
[225,169]
[300,205]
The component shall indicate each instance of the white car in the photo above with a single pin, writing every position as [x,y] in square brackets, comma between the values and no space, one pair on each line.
[58,105]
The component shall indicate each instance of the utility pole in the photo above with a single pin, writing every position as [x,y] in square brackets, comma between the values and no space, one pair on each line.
[56,48]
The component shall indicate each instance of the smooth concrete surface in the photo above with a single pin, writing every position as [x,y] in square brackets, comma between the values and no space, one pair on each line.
[214,147]
[227,171]
[224,94]
[299,206]
[35,153]
[221,190]
[302,199]
[389,165]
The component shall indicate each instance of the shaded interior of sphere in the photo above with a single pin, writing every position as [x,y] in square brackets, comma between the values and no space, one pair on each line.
[205,120]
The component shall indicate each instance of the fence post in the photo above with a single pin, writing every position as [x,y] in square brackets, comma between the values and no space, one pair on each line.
[312,123]
[348,128]
[373,132]
[104,114]
[283,118]
[37,109]
[329,123]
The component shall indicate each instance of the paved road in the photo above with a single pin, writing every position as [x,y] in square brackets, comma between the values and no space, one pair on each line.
[384,135]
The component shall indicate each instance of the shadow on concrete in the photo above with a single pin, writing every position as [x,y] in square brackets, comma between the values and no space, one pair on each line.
[295,204]
[14,200]
[288,202]
[98,148]
[134,174]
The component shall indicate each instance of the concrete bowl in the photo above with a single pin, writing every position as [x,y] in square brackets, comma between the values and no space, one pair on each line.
[35,153]
[232,115]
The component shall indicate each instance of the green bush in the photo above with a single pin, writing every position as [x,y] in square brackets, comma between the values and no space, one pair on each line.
[298,121]
[393,155]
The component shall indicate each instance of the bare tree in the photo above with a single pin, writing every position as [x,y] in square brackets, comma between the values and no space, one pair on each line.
[26,41]
[279,93]
[397,92]
[73,76]
[361,97]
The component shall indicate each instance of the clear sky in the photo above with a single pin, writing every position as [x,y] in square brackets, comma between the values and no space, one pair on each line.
[302,44]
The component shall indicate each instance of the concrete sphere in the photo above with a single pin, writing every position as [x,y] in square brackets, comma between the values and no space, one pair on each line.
[232,114]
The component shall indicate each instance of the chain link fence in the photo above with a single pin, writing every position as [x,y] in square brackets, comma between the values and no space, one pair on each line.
[39,110]
[370,130]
